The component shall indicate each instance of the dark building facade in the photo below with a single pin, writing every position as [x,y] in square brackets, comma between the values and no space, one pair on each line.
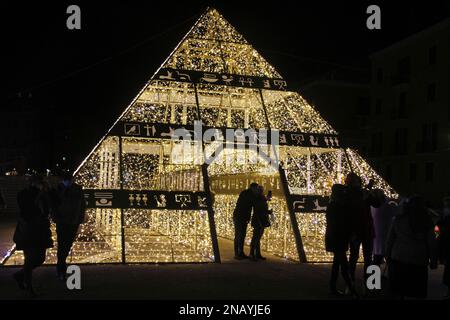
[20,130]
[399,119]
[343,98]
[409,128]
[34,136]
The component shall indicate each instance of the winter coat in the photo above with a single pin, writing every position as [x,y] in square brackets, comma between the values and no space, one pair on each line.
[260,218]
[33,226]
[382,220]
[408,246]
[338,229]
[68,204]
[244,205]
[360,202]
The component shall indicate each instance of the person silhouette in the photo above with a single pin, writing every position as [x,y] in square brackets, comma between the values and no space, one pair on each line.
[68,214]
[411,249]
[444,243]
[2,201]
[363,231]
[260,221]
[337,238]
[241,218]
[32,234]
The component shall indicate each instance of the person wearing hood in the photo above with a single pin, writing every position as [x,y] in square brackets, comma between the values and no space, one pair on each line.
[410,249]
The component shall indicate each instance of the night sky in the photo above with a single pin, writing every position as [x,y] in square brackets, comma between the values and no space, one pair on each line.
[83,79]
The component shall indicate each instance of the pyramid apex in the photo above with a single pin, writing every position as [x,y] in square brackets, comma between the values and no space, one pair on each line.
[210,40]
[209,8]
[213,11]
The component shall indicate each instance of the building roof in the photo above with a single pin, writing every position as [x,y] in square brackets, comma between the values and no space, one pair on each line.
[421,34]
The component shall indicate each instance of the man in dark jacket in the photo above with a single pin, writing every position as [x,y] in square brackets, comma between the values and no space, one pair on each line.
[241,217]
[32,234]
[362,222]
[68,214]
[337,237]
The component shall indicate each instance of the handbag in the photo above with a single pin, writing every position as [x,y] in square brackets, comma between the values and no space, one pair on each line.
[265,221]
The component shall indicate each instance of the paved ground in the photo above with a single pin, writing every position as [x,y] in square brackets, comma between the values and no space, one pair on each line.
[209,281]
[272,279]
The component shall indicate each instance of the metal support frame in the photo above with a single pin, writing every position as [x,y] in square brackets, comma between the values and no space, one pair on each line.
[348,160]
[287,194]
[295,228]
[122,218]
[205,176]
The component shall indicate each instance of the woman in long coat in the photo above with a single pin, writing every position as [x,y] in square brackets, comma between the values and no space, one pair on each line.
[32,234]
[260,221]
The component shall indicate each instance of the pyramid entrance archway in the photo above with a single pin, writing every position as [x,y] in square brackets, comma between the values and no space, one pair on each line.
[231,173]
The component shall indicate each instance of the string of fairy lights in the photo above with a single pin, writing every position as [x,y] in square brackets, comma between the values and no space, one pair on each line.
[278,239]
[215,46]
[155,164]
[289,111]
[213,26]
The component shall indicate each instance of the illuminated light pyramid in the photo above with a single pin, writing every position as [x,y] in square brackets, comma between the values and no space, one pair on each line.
[150,199]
